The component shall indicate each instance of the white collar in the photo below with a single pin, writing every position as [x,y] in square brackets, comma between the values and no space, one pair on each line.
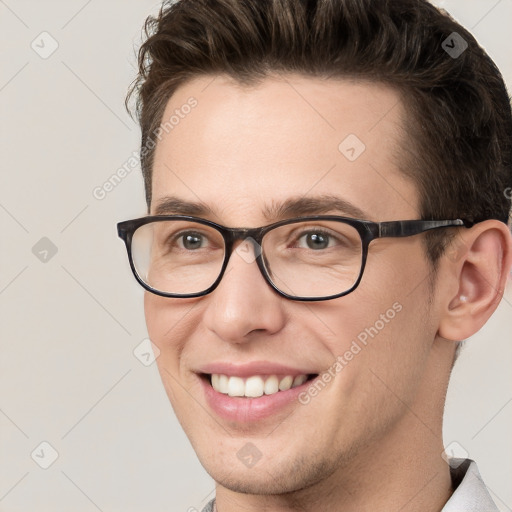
[471,494]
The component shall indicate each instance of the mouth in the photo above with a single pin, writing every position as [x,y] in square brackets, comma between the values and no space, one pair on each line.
[249,397]
[255,386]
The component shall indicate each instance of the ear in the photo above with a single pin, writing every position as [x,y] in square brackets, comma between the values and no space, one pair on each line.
[479,261]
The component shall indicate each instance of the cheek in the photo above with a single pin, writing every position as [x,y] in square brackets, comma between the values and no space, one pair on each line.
[167,329]
[155,313]
[385,330]
[397,339]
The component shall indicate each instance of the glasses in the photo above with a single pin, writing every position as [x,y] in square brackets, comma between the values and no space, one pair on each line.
[312,258]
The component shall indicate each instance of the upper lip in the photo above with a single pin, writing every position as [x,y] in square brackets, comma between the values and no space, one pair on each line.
[252,368]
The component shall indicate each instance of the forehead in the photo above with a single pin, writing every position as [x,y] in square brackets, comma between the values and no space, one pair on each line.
[241,151]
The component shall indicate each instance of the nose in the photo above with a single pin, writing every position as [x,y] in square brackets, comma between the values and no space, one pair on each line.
[243,302]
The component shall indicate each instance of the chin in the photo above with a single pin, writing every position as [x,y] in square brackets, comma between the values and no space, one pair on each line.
[277,476]
[255,482]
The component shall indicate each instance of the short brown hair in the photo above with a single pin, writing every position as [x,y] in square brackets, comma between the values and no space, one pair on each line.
[458,148]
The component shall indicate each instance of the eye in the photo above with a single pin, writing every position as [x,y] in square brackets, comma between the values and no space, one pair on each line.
[316,239]
[190,240]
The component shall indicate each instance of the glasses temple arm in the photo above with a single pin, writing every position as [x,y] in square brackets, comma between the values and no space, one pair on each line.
[413,227]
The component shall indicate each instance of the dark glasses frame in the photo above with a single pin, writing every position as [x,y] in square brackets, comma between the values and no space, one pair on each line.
[368,231]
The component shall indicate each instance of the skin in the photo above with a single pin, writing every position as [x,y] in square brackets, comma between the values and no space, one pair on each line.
[372,439]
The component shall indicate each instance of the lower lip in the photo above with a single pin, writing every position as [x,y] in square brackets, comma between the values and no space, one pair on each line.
[246,410]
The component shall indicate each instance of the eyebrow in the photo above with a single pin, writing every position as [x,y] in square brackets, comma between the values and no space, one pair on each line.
[275,211]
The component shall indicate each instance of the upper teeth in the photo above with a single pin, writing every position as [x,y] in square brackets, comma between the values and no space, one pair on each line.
[256,385]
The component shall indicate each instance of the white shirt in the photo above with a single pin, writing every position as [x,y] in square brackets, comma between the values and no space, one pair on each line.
[470,494]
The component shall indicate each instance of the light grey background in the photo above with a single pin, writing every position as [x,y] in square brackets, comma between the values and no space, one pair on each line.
[69,325]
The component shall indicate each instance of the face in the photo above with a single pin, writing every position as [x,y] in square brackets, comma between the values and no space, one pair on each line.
[238,152]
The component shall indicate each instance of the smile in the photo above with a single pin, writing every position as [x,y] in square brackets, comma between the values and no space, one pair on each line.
[256,385]
[254,391]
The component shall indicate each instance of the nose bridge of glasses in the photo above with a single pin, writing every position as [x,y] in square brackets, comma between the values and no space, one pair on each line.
[240,241]
[235,237]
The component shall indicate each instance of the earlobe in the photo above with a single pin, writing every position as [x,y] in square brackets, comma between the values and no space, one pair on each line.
[481,275]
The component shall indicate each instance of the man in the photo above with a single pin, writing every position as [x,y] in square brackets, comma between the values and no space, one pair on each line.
[308,361]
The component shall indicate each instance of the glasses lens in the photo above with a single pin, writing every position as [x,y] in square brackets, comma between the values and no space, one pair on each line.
[313,258]
[178,257]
